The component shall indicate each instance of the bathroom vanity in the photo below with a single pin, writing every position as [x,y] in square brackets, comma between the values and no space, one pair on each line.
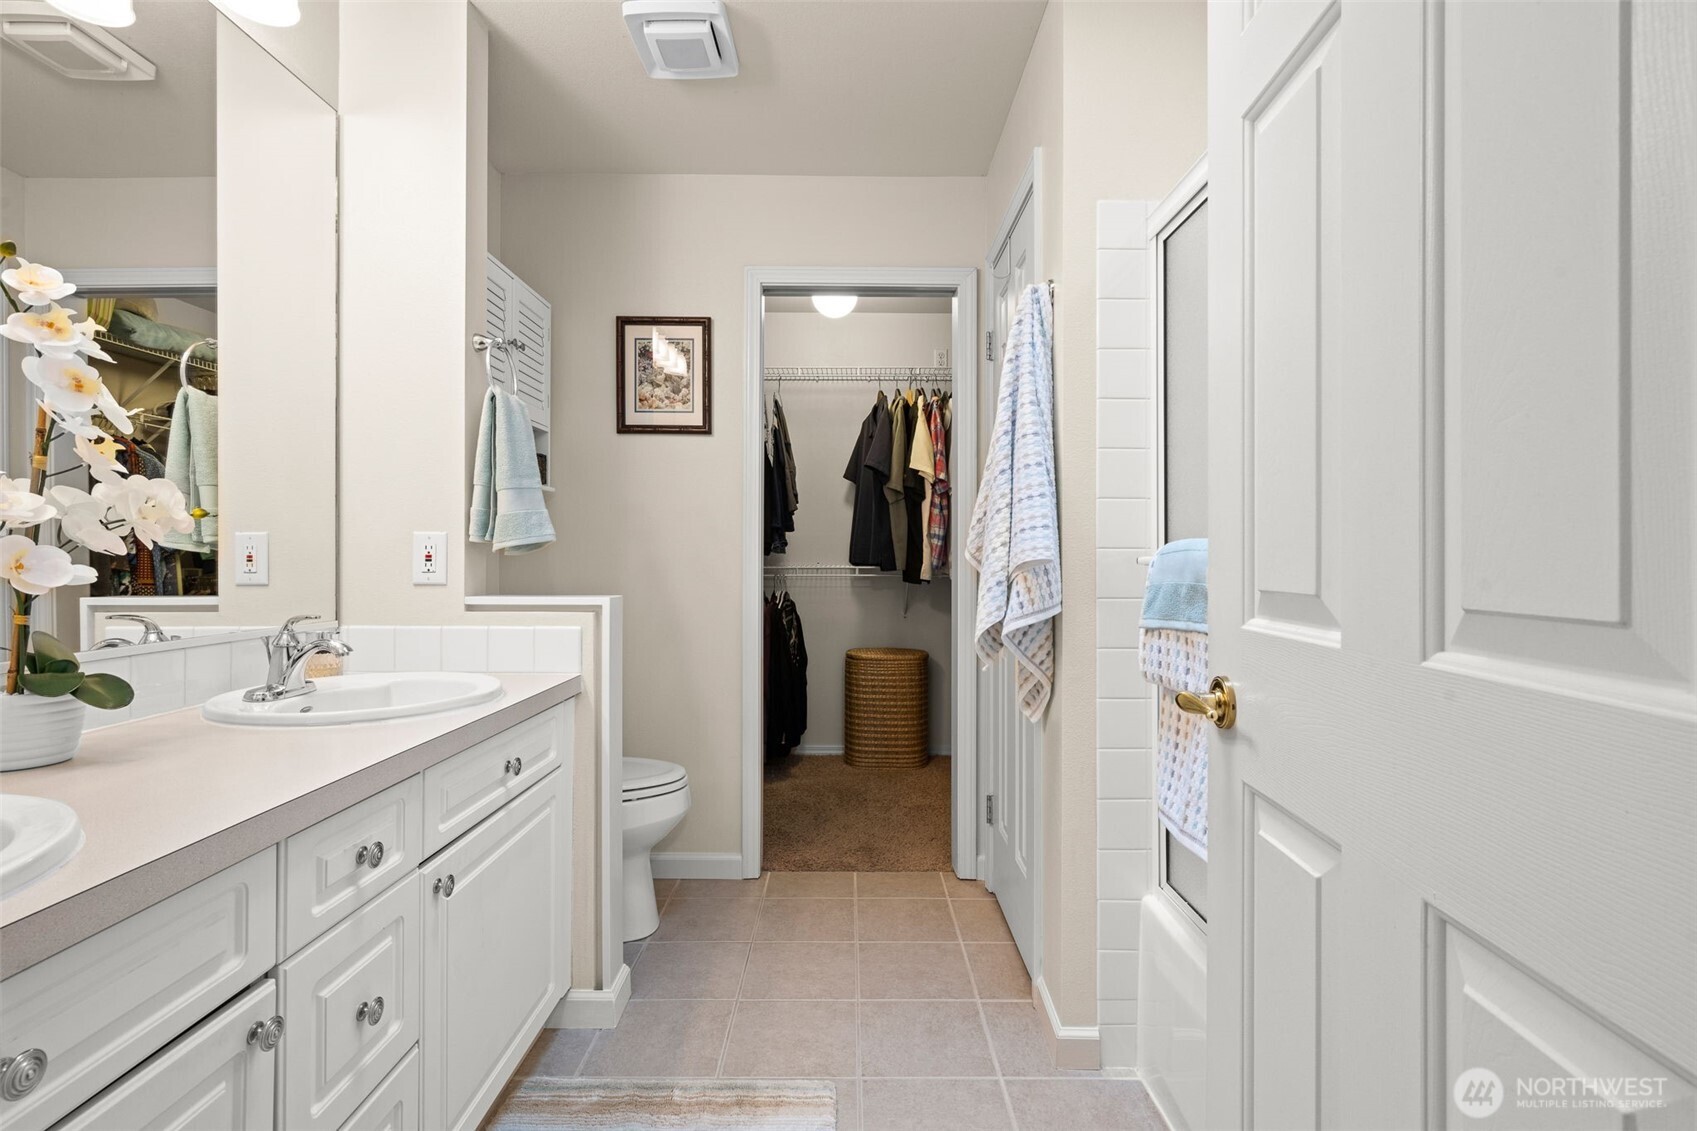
[359,926]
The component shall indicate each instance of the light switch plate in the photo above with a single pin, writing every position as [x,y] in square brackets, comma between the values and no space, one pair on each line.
[253,558]
[429,557]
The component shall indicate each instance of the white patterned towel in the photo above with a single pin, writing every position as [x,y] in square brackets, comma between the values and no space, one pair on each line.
[1176,660]
[1014,541]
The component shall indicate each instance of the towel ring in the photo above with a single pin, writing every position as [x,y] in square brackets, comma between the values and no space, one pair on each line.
[183,362]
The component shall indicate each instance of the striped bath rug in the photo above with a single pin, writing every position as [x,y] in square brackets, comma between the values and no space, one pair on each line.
[660,1105]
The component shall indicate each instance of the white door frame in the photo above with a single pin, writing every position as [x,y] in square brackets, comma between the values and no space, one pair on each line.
[962,282]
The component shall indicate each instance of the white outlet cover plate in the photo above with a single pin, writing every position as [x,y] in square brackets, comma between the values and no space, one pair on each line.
[253,558]
[429,557]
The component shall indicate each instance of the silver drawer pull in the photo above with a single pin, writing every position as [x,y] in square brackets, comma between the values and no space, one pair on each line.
[515,766]
[370,1012]
[370,855]
[20,1074]
[266,1034]
[444,885]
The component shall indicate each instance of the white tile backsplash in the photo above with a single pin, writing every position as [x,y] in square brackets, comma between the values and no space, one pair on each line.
[1123,524]
[1119,575]
[158,679]
[512,648]
[1127,473]
[1122,423]
[373,648]
[1122,874]
[1124,724]
[1122,323]
[207,671]
[559,648]
[418,648]
[465,648]
[1126,825]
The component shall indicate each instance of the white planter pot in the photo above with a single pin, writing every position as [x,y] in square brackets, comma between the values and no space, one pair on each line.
[38,732]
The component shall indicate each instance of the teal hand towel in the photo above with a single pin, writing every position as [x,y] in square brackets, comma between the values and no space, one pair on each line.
[1176,593]
[191,462]
[507,509]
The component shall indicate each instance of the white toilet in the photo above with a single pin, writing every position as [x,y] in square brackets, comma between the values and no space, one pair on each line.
[656,797]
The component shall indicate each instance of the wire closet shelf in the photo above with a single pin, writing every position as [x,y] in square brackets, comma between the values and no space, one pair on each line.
[873,374]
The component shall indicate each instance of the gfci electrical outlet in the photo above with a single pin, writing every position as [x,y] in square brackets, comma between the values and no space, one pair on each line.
[939,359]
[429,557]
[253,558]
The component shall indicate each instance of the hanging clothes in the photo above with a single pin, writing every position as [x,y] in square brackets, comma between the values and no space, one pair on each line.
[781,500]
[913,489]
[923,460]
[870,542]
[895,494]
[781,425]
[786,676]
[937,523]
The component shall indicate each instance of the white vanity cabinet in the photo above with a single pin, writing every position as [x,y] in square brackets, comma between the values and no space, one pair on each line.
[495,947]
[320,985]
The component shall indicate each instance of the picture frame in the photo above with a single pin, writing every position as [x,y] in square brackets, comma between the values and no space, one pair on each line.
[665,375]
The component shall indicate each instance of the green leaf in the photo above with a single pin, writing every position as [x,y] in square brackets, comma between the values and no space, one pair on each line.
[50,685]
[105,691]
[60,666]
[49,648]
[31,664]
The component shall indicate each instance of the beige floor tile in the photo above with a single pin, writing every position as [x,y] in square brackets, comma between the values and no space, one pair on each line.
[662,1038]
[848,1104]
[905,920]
[780,1039]
[689,970]
[923,1038]
[816,885]
[901,885]
[720,889]
[999,971]
[707,920]
[633,950]
[935,1105]
[965,889]
[806,920]
[800,971]
[913,970]
[557,1052]
[664,888]
[980,921]
[1066,1105]
[1021,1040]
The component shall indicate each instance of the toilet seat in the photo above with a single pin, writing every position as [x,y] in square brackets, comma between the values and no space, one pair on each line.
[650,777]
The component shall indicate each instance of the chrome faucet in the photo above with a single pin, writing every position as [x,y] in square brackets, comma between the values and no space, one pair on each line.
[150,633]
[287,654]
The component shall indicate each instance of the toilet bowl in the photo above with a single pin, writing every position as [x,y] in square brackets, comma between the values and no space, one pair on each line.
[655,799]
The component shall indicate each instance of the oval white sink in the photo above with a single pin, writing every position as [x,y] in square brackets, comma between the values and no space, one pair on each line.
[359,699]
[36,836]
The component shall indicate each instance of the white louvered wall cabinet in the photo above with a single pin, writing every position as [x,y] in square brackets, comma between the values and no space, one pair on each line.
[513,309]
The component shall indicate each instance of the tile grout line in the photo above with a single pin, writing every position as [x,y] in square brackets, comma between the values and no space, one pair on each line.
[859,1066]
[731,1023]
[983,1020]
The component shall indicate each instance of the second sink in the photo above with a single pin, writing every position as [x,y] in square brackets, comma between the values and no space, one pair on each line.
[359,699]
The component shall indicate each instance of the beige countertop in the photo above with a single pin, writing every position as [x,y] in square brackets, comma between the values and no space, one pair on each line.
[169,800]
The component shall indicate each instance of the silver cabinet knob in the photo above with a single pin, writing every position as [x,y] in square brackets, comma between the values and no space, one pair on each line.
[266,1034]
[370,855]
[370,1012]
[20,1074]
[515,766]
[444,886]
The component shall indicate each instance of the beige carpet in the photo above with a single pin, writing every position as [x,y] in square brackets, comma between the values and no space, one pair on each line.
[823,815]
[661,1105]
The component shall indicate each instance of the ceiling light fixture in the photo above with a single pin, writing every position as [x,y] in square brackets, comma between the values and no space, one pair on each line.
[835,306]
[105,13]
[271,13]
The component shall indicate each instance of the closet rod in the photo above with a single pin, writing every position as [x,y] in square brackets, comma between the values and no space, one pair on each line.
[871,374]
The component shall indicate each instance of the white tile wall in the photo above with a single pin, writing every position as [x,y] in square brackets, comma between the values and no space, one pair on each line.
[465,648]
[205,662]
[1125,531]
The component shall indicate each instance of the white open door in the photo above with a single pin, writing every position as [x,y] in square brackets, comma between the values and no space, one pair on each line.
[1012,745]
[1453,322]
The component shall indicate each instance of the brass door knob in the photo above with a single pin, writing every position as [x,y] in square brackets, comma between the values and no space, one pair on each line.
[1218,706]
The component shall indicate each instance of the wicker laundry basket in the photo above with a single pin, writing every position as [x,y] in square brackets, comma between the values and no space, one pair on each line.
[886,708]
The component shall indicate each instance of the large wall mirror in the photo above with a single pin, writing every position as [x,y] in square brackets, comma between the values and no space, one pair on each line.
[181,172]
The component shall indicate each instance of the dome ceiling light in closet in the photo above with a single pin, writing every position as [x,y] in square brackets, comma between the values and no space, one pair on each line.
[835,306]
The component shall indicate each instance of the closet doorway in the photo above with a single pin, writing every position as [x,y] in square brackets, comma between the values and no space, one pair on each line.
[830,584]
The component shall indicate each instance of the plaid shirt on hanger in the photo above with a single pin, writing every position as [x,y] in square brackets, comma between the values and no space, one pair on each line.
[937,522]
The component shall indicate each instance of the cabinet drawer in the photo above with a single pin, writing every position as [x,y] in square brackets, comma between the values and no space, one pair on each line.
[347,860]
[394,1105]
[211,1077]
[101,1007]
[468,787]
[341,1042]
[496,951]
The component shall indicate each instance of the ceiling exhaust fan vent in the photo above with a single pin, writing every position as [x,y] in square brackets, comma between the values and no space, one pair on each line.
[75,50]
[682,39]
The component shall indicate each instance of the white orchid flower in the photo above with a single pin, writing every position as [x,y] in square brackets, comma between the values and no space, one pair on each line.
[55,331]
[35,570]
[36,283]
[84,518]
[103,467]
[150,508]
[72,387]
[18,507]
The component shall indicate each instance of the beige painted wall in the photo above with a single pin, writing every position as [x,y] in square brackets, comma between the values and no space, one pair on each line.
[120,221]
[839,613]
[659,517]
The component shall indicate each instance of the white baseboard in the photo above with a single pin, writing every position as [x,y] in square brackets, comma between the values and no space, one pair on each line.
[1073,1046]
[593,1009]
[697,865]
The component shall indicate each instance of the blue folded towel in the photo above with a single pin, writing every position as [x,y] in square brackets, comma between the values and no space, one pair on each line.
[506,485]
[1176,594]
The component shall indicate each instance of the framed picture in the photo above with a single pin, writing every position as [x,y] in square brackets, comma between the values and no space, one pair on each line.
[665,375]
